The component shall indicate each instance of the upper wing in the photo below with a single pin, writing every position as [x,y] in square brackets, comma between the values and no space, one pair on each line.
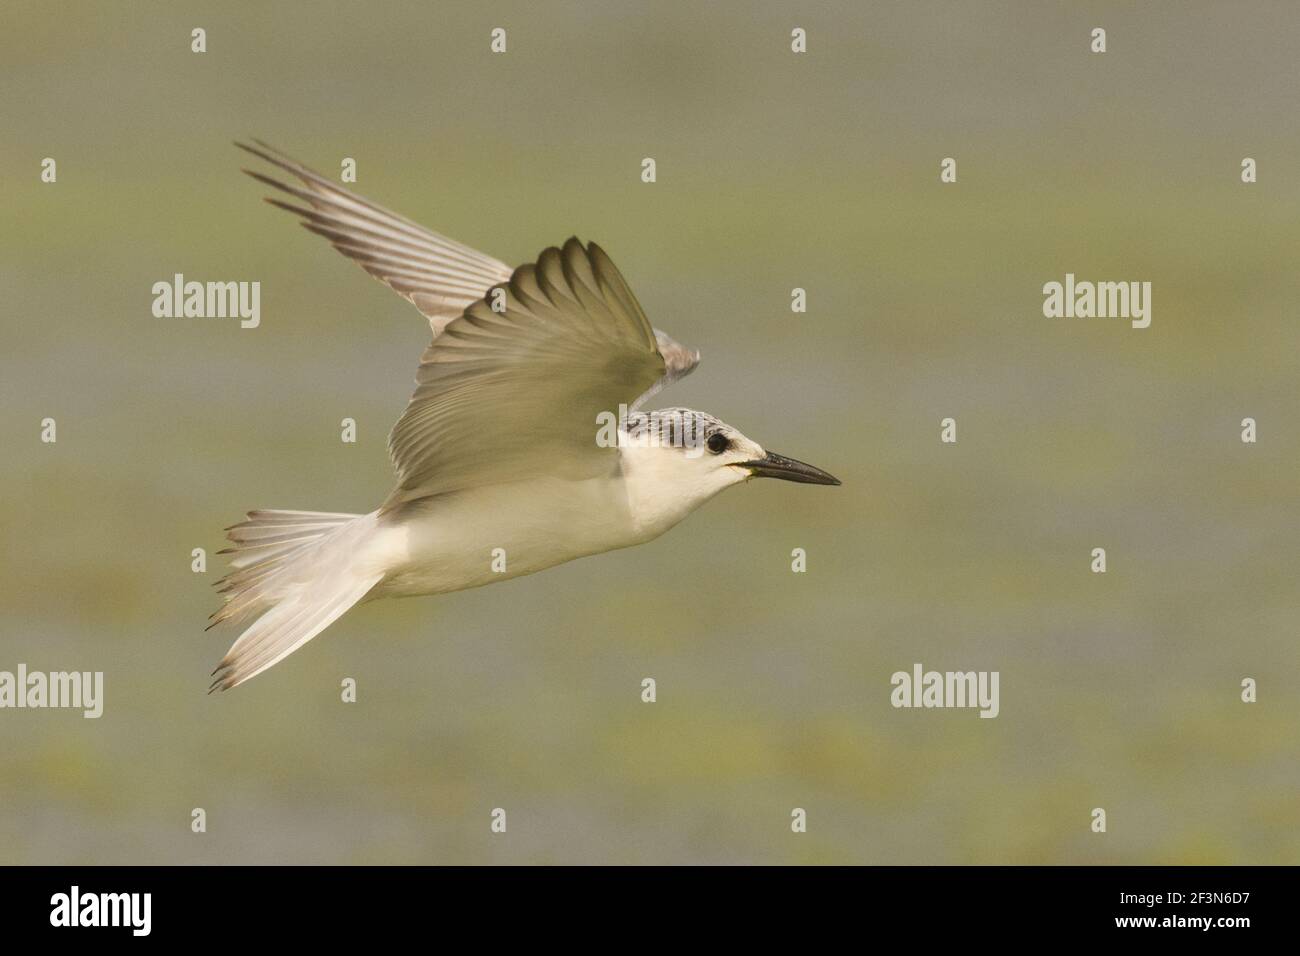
[505,395]
[679,360]
[439,276]
[571,323]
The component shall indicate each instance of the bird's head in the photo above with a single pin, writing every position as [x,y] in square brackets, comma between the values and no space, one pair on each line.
[689,456]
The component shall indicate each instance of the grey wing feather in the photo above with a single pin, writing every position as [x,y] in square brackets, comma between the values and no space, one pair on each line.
[437,275]
[679,360]
[515,392]
[496,394]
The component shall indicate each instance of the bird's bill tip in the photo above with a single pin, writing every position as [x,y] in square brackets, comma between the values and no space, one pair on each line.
[772,465]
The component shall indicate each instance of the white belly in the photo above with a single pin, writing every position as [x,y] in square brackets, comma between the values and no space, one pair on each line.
[488,534]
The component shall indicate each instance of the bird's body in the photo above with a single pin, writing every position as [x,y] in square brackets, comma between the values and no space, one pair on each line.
[510,459]
[447,542]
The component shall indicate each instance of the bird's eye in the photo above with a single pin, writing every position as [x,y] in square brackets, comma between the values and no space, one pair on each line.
[718,443]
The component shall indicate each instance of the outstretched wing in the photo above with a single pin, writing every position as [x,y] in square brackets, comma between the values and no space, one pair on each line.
[571,313]
[516,393]
[437,275]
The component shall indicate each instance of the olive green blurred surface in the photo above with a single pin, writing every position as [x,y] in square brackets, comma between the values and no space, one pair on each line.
[819,171]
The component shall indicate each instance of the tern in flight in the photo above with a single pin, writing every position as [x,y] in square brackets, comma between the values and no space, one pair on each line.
[503,466]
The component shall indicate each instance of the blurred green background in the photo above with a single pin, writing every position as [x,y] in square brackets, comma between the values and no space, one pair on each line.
[774,171]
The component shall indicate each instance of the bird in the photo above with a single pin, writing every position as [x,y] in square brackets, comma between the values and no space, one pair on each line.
[525,444]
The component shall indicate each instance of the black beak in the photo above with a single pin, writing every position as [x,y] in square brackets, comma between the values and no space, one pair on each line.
[778,466]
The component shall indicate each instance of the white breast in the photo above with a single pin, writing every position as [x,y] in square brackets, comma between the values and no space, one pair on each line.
[450,542]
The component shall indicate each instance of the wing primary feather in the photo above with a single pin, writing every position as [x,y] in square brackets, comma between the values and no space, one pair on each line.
[439,276]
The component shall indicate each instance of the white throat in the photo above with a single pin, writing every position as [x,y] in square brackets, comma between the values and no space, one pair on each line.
[663,485]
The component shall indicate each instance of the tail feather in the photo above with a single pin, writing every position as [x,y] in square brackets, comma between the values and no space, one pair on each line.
[266,535]
[282,630]
[256,559]
[293,570]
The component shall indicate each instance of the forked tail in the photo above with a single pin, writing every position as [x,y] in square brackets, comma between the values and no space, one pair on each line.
[297,572]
